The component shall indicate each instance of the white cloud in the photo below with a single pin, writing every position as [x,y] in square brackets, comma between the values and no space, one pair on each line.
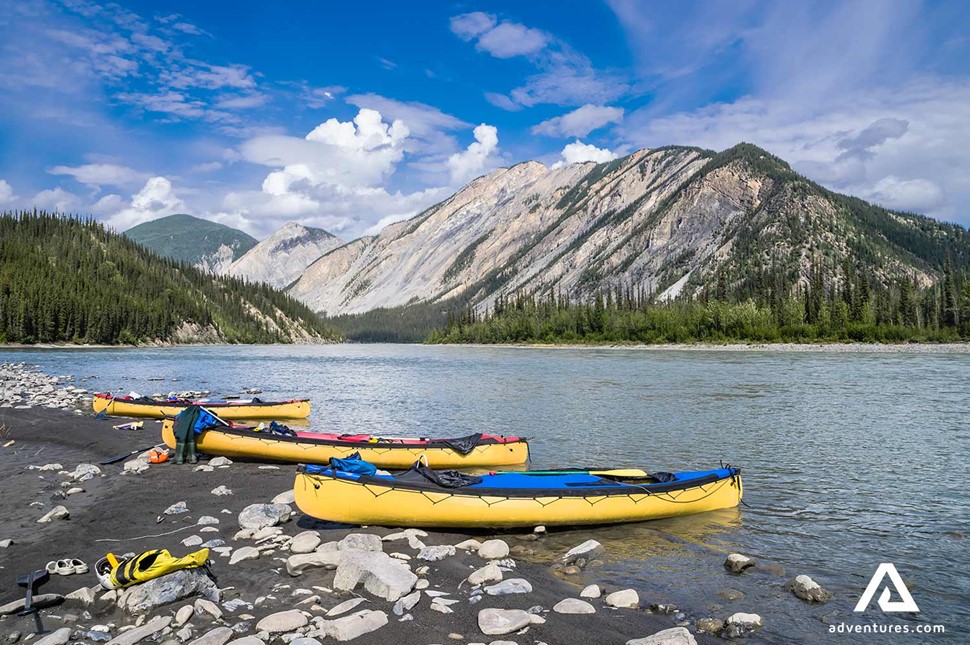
[580,121]
[56,199]
[420,118]
[6,193]
[99,174]
[855,142]
[477,158]
[156,199]
[210,166]
[579,152]
[470,25]
[242,101]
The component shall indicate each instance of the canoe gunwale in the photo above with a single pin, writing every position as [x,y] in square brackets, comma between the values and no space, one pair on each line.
[182,403]
[433,444]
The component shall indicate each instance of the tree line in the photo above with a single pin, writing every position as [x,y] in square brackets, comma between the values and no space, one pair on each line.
[854,308]
[69,279]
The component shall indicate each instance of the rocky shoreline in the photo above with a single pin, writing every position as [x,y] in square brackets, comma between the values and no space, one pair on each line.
[281,576]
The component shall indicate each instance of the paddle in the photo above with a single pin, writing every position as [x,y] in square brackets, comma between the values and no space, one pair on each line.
[114,460]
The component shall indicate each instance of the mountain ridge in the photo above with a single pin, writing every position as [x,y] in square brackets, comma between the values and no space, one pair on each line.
[200,242]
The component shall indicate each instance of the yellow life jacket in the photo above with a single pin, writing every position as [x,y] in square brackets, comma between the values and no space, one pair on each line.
[152,564]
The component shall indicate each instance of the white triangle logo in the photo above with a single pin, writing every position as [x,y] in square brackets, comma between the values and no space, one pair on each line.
[887,569]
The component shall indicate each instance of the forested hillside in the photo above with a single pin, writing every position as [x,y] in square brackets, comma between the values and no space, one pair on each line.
[64,279]
[199,242]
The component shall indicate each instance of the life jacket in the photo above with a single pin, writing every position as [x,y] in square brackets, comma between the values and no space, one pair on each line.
[146,566]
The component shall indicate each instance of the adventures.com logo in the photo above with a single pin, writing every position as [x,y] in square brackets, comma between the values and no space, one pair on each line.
[906,603]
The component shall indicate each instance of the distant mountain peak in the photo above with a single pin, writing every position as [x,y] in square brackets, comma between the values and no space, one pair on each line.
[200,242]
[282,257]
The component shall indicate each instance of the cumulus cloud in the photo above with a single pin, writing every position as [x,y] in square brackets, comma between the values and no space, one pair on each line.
[56,199]
[579,152]
[99,174]
[470,25]
[157,198]
[917,195]
[477,158]
[6,193]
[580,121]
[501,40]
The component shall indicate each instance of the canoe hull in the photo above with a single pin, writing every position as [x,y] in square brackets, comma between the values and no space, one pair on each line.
[274,411]
[339,500]
[266,447]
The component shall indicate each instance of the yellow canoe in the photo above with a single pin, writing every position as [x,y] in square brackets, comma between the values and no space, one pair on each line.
[308,447]
[234,410]
[505,500]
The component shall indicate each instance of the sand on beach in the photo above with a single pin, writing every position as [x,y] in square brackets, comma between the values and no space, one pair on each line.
[122,513]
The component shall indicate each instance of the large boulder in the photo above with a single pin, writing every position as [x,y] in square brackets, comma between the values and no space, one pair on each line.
[145,597]
[809,590]
[573,606]
[737,563]
[361,542]
[627,598]
[381,575]
[257,516]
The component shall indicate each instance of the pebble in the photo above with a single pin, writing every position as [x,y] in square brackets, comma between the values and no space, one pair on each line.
[730,595]
[132,636]
[207,520]
[286,497]
[183,615]
[217,636]
[209,607]
[361,542]
[59,637]
[221,491]
[220,462]
[808,590]
[510,586]
[488,573]
[436,553]
[345,606]
[56,513]
[592,591]
[6,543]
[627,598]
[283,621]
[737,563]
[712,626]
[573,606]
[588,550]
[350,627]
[257,516]
[305,542]
[672,636]
[406,603]
[493,550]
[192,540]
[176,508]
[244,553]
[496,622]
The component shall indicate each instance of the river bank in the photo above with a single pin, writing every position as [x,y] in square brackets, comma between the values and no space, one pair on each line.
[841,348]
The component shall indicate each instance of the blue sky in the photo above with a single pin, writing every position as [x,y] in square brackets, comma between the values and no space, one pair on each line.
[348,116]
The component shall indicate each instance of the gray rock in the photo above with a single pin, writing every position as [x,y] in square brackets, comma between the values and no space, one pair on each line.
[56,513]
[712,626]
[505,621]
[672,636]
[809,590]
[588,550]
[59,637]
[354,625]
[435,553]
[192,540]
[573,606]
[345,606]
[143,598]
[406,603]
[469,545]
[297,564]
[247,640]
[176,508]
[488,573]
[380,574]
[411,535]
[214,543]
[84,595]
[183,615]
[221,491]
[283,621]
[6,543]
[303,640]
[84,472]
[493,550]
[627,598]
[133,636]
[592,591]
[730,595]
[206,520]
[737,563]
[217,636]
[286,497]
[41,601]
[305,542]
[219,462]
[208,607]
[236,604]
[183,634]
[360,542]
[257,516]
[510,586]
[740,624]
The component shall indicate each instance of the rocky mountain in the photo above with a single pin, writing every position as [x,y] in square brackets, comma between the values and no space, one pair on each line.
[64,279]
[283,256]
[207,245]
[667,221]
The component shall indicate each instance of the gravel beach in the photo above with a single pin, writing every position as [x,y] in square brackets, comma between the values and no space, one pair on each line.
[123,510]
